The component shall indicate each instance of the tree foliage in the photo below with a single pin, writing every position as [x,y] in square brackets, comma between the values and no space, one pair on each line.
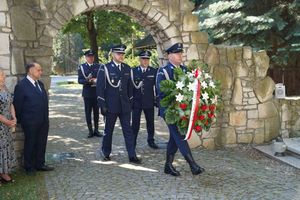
[112,28]
[273,25]
[67,51]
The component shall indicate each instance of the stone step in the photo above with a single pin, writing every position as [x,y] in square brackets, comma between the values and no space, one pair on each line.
[293,145]
[290,158]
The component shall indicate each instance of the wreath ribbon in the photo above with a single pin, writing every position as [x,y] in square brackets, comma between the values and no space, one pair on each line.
[195,106]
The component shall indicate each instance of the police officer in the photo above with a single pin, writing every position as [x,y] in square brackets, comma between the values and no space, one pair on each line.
[114,94]
[143,79]
[87,76]
[176,140]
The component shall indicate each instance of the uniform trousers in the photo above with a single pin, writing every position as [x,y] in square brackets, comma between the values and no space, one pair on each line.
[110,121]
[136,119]
[176,141]
[90,104]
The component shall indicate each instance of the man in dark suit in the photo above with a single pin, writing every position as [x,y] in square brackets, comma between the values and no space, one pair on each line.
[176,140]
[87,76]
[32,111]
[143,80]
[114,94]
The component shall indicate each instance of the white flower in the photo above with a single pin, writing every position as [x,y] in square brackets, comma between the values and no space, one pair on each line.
[203,84]
[212,84]
[190,75]
[179,97]
[205,96]
[207,75]
[179,85]
[191,86]
[215,100]
[199,72]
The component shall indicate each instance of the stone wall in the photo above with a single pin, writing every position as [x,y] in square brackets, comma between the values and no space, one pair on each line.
[5,47]
[27,29]
[289,112]
[249,114]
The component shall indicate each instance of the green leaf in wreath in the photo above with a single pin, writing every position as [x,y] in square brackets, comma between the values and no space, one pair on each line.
[178,73]
[167,100]
[194,64]
[184,124]
[167,86]
[171,116]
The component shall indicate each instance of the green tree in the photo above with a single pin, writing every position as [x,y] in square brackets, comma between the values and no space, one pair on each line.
[273,25]
[67,51]
[109,27]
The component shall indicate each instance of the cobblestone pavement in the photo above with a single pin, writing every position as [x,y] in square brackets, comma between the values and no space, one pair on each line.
[233,173]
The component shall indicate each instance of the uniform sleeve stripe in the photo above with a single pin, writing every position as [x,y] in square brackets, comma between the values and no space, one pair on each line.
[101,98]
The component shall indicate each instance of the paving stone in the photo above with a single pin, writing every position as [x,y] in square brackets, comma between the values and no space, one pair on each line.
[244,173]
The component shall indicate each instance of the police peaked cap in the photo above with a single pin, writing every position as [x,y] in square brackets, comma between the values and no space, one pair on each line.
[175,48]
[120,48]
[89,53]
[145,54]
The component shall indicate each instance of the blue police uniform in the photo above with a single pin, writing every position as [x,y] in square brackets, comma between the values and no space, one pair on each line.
[176,140]
[143,80]
[114,94]
[86,72]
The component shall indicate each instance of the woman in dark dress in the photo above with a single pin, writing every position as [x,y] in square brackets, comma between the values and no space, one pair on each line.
[7,122]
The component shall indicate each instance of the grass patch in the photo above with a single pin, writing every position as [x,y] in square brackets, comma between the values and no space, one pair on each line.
[25,187]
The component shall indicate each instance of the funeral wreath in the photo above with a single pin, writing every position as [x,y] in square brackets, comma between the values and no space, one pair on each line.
[191,100]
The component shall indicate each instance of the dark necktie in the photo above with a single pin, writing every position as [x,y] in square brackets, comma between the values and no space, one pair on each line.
[37,86]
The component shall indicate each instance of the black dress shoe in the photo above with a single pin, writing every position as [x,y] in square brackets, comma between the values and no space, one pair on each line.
[90,135]
[195,168]
[170,169]
[45,168]
[104,157]
[97,134]
[135,160]
[153,145]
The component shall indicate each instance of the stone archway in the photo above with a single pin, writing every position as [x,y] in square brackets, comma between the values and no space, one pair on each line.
[167,23]
[249,114]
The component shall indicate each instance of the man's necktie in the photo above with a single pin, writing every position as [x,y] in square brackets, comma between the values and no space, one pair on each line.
[37,86]
[119,66]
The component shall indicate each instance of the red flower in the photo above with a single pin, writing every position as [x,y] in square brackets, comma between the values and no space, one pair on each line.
[206,123]
[212,107]
[184,118]
[204,107]
[183,106]
[210,115]
[201,117]
[198,129]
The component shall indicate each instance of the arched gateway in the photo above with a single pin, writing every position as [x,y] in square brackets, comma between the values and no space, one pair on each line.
[27,29]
